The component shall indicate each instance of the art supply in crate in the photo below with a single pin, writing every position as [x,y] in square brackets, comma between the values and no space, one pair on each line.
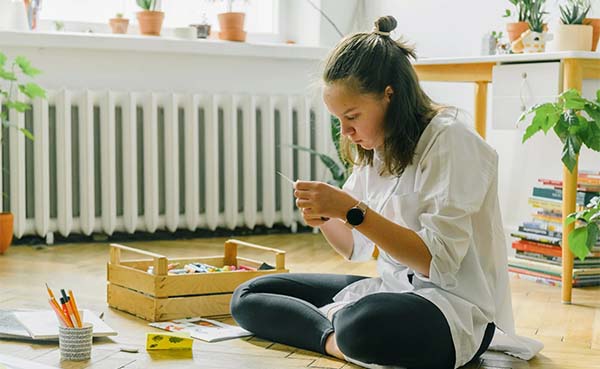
[203,268]
[163,295]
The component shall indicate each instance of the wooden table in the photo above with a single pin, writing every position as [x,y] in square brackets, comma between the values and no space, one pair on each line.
[575,67]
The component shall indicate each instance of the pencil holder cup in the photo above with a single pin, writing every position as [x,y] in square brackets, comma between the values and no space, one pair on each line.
[75,343]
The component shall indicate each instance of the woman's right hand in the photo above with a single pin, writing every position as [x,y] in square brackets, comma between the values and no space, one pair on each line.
[314,220]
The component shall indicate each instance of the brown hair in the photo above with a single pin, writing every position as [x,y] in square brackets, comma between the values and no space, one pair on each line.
[368,63]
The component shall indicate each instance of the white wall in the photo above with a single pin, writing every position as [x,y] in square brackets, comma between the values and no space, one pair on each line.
[305,25]
[456,28]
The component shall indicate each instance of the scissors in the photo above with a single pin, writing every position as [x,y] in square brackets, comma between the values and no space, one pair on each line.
[293,183]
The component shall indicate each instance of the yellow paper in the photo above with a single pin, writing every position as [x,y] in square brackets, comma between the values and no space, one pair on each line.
[168,341]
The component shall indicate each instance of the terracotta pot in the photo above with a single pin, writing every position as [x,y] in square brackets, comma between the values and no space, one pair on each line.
[515,30]
[150,22]
[232,26]
[574,37]
[232,35]
[595,23]
[119,25]
[6,231]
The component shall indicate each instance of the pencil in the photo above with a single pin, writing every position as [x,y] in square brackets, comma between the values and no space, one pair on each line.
[71,314]
[65,310]
[58,309]
[50,292]
[58,312]
[75,309]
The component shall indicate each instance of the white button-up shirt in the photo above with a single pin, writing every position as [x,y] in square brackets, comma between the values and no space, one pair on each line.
[448,196]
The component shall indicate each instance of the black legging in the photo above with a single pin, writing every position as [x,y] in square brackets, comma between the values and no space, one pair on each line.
[382,328]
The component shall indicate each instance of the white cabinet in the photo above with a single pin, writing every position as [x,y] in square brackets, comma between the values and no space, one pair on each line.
[516,87]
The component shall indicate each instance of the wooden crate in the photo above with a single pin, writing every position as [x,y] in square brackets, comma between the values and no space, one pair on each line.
[160,296]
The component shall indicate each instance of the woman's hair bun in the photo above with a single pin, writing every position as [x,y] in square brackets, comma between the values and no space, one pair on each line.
[386,24]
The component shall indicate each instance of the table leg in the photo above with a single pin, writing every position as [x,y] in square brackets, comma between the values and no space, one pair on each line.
[480,107]
[572,73]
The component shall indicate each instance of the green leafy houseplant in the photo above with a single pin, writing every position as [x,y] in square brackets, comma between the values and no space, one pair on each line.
[574,11]
[576,121]
[151,5]
[9,82]
[583,238]
[339,173]
[229,3]
[536,16]
[523,8]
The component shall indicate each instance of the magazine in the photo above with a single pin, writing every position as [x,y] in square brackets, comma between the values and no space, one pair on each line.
[203,329]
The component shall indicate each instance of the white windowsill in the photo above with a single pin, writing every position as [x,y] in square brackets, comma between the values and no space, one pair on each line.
[91,41]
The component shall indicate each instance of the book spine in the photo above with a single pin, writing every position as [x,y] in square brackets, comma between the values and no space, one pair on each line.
[548,250]
[582,185]
[541,280]
[535,266]
[537,238]
[534,274]
[582,198]
[537,258]
[541,232]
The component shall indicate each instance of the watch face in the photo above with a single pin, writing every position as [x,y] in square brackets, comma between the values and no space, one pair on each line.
[355,216]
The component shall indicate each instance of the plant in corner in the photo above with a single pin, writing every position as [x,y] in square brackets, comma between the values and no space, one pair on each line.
[583,238]
[10,82]
[150,18]
[119,24]
[572,34]
[576,121]
[339,173]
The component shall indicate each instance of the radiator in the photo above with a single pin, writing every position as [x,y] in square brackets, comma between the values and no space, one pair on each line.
[109,161]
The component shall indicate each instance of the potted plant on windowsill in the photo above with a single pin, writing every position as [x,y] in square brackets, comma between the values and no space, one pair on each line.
[119,24]
[232,23]
[572,34]
[150,18]
[9,84]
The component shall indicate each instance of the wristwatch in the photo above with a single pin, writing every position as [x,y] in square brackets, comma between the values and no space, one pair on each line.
[356,215]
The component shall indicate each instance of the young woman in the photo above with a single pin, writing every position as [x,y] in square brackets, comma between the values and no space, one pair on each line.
[424,191]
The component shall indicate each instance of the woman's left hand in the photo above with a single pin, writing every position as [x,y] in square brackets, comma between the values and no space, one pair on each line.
[319,199]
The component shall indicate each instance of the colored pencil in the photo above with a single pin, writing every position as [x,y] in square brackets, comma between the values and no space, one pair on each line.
[75,309]
[58,312]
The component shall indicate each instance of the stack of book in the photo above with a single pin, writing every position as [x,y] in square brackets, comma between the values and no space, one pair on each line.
[538,252]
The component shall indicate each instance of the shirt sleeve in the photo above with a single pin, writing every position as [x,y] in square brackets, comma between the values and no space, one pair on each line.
[454,178]
[362,248]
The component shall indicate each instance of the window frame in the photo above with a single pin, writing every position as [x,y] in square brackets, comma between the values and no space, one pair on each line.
[276,36]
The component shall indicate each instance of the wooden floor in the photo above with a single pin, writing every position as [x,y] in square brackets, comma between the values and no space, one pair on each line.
[571,333]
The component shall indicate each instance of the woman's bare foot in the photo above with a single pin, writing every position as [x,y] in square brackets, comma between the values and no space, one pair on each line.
[332,348]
